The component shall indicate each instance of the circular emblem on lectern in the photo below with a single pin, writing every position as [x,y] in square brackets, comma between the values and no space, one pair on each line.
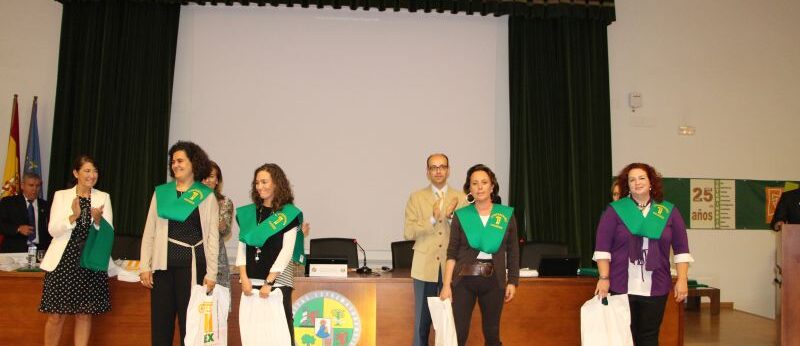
[325,318]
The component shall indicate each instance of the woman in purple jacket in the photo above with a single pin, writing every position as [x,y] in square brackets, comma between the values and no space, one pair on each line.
[634,237]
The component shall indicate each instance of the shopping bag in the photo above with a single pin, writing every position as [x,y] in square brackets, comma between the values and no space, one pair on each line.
[207,317]
[606,325]
[262,322]
[97,250]
[443,323]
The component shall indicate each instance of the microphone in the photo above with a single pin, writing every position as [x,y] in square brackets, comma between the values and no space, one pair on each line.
[364,269]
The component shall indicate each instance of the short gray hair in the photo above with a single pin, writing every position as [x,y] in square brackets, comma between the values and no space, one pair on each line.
[31,175]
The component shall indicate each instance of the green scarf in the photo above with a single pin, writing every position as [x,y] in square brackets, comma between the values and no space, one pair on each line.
[256,234]
[650,226]
[175,208]
[97,249]
[485,238]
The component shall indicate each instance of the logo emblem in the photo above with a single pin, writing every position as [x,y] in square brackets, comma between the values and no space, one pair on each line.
[660,210]
[280,218]
[193,195]
[499,221]
[208,321]
[325,318]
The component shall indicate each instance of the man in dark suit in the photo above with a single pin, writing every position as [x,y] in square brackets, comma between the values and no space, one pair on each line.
[787,211]
[24,218]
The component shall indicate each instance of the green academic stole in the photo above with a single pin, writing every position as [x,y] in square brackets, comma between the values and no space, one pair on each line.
[485,238]
[650,226]
[256,234]
[97,249]
[172,207]
[298,256]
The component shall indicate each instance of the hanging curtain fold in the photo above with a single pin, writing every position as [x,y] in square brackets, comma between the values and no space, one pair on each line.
[560,164]
[113,98]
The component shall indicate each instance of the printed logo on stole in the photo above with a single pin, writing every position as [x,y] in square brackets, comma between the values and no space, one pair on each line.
[208,322]
[194,194]
[280,220]
[325,318]
[660,210]
[500,220]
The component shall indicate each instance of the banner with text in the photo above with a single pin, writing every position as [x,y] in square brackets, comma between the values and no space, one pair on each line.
[726,203]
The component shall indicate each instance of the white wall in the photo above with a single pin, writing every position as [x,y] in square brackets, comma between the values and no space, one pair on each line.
[349,103]
[29,36]
[731,70]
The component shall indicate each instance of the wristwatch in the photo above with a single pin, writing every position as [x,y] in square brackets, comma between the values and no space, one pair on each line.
[271,283]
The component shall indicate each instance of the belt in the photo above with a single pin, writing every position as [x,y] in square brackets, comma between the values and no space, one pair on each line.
[194,264]
[485,269]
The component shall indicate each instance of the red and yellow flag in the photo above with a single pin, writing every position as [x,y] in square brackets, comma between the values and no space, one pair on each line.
[11,173]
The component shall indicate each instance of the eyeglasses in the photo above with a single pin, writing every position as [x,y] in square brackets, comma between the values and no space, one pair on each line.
[437,168]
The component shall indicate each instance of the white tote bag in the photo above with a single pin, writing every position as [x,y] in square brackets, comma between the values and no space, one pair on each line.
[262,322]
[443,323]
[606,325]
[207,317]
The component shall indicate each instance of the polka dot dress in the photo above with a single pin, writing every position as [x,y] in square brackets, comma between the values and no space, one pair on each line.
[70,288]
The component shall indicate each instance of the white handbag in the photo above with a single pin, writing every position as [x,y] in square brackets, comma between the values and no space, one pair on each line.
[207,317]
[443,323]
[606,325]
[262,322]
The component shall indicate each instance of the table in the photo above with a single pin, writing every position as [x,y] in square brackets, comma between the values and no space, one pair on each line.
[546,311]
[693,299]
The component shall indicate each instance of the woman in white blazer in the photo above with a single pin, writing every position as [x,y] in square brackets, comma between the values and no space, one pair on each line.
[70,289]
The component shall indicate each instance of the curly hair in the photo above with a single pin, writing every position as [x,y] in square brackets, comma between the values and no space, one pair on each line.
[218,188]
[656,187]
[481,167]
[201,165]
[283,190]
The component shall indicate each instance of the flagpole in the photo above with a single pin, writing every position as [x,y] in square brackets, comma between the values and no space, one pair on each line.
[33,158]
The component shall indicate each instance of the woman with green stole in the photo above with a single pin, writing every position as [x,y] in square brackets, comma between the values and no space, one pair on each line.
[634,237]
[483,245]
[270,238]
[180,243]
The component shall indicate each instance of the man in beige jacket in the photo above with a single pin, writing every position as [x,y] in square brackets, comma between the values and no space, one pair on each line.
[427,222]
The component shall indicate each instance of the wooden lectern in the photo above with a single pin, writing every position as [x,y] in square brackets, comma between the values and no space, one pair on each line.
[789,262]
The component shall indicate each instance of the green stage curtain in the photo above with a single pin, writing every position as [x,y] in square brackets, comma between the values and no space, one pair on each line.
[113,99]
[560,127]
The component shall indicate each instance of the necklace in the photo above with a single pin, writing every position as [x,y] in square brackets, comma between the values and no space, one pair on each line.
[258,214]
[641,206]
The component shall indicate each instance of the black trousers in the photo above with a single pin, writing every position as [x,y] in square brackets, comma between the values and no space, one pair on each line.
[490,299]
[287,307]
[646,316]
[169,297]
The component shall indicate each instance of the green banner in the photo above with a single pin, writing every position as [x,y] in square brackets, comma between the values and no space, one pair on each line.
[725,203]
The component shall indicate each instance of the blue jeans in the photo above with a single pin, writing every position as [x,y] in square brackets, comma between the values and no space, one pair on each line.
[422,315]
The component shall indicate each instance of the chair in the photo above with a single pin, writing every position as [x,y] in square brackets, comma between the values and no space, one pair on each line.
[402,254]
[530,253]
[335,247]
